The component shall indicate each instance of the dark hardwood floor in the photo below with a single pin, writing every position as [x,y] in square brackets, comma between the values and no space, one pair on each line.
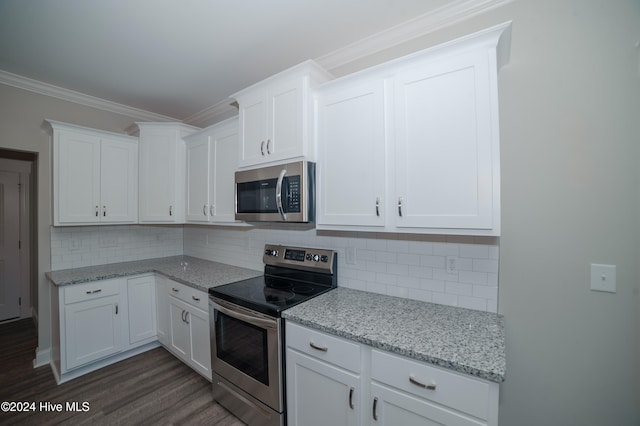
[153,388]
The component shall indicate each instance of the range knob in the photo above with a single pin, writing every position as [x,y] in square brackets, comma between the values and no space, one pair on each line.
[316,258]
[269,252]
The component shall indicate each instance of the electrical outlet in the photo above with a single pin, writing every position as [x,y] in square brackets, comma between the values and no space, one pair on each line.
[452,264]
[603,278]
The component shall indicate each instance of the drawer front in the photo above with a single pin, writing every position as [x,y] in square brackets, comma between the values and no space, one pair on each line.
[457,391]
[89,291]
[326,347]
[189,295]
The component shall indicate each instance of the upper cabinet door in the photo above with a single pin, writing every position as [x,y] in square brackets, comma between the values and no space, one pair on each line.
[224,149]
[253,127]
[285,138]
[119,181]
[197,202]
[76,178]
[351,154]
[446,163]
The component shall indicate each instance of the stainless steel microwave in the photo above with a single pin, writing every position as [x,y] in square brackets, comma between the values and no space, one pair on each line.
[282,193]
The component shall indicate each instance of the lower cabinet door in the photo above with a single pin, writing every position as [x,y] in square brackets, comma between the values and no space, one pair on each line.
[141,294]
[320,394]
[180,341]
[198,321]
[390,407]
[92,330]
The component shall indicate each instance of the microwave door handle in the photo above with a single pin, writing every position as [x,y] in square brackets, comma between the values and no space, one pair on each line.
[279,194]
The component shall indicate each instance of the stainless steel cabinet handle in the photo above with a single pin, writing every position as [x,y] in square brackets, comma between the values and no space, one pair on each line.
[174,289]
[351,398]
[204,210]
[197,299]
[94,291]
[262,148]
[268,142]
[170,210]
[318,348]
[104,211]
[186,317]
[116,309]
[422,385]
[97,209]
[375,406]
[183,313]
[211,210]
[400,206]
[378,206]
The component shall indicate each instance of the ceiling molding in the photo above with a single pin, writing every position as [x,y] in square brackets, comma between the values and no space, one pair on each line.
[224,109]
[430,22]
[79,98]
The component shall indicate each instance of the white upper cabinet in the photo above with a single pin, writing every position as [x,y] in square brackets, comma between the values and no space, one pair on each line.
[211,163]
[95,176]
[275,115]
[162,172]
[351,152]
[413,145]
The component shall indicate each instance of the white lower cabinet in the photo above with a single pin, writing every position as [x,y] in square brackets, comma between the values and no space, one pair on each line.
[188,320]
[335,381]
[141,297]
[93,320]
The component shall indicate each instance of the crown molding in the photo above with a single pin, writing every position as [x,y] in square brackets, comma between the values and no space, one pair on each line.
[35,86]
[430,22]
[224,109]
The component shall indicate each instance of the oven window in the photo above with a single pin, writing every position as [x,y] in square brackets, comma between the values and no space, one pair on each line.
[243,346]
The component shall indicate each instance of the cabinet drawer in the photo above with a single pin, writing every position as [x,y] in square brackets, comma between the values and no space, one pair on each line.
[454,390]
[324,346]
[189,295]
[93,290]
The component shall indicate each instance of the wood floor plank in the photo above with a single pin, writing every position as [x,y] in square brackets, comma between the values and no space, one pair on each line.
[153,388]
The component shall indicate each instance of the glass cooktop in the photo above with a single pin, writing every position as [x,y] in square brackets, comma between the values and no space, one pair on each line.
[267,294]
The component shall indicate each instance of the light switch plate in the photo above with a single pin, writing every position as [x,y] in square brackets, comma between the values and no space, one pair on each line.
[603,277]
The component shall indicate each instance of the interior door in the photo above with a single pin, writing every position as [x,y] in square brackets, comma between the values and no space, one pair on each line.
[9,240]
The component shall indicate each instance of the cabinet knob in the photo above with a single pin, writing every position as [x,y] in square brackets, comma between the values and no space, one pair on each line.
[262,148]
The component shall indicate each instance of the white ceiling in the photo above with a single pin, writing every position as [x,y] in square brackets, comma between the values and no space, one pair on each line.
[179,57]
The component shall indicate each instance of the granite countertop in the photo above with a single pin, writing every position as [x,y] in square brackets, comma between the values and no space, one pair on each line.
[463,340]
[198,273]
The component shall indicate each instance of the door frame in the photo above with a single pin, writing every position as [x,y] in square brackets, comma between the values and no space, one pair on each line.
[23,168]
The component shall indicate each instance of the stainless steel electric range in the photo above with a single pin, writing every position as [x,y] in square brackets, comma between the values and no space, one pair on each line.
[247,332]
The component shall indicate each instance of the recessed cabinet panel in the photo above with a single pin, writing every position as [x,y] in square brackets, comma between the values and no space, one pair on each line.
[286,120]
[198,179]
[119,181]
[253,128]
[93,330]
[352,170]
[78,183]
[443,145]
[225,149]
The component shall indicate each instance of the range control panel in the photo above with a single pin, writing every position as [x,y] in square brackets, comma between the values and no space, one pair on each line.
[299,258]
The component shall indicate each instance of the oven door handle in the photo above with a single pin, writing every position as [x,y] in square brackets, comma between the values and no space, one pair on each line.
[246,318]
[279,194]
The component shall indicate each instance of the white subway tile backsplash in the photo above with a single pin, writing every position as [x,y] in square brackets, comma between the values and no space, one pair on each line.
[410,266]
[76,247]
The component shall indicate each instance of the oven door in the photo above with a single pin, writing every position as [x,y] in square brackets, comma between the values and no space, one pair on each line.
[245,350]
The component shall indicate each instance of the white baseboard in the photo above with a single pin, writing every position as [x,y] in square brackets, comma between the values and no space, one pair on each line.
[43,357]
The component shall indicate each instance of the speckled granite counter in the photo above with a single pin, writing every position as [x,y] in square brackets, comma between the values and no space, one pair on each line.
[198,273]
[462,340]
